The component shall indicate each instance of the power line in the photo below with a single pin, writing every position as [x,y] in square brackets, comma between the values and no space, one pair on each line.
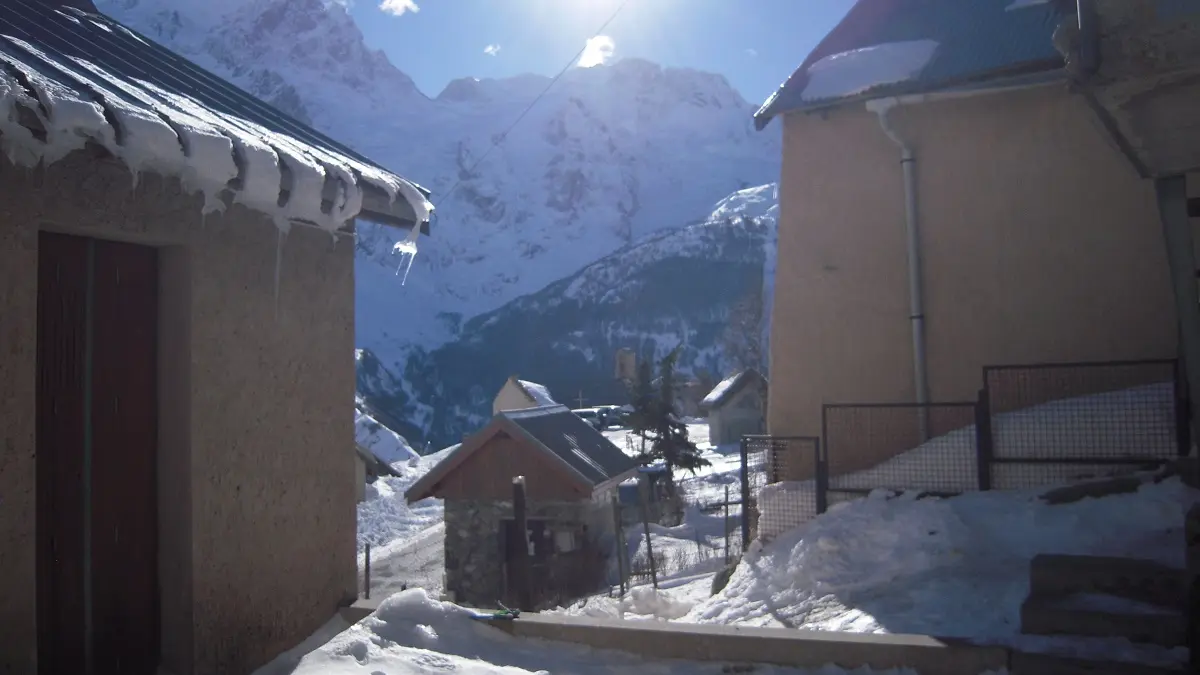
[506,132]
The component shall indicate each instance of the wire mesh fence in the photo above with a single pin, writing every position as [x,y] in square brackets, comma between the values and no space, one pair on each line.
[778,484]
[1067,422]
[931,448]
[1031,426]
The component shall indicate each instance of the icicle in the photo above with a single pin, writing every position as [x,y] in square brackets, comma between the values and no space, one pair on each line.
[408,250]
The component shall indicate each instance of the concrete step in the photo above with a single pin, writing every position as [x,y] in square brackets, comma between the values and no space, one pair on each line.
[1142,580]
[361,609]
[1027,663]
[1070,616]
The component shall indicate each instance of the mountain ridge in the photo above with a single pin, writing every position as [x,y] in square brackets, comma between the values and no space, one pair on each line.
[609,156]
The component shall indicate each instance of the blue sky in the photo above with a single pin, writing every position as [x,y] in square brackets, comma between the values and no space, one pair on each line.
[755,43]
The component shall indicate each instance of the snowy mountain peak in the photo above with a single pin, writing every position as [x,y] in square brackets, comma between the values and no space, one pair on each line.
[611,155]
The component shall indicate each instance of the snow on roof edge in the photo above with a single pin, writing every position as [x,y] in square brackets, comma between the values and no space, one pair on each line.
[538,392]
[169,132]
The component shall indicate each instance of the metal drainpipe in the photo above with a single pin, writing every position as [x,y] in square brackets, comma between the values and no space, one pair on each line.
[916,301]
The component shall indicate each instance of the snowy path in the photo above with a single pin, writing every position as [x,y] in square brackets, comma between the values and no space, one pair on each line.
[415,562]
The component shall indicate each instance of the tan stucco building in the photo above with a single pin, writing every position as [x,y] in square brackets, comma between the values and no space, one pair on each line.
[518,394]
[951,220]
[736,407]
[176,386]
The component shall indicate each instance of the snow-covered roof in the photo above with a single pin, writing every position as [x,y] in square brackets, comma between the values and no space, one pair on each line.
[582,450]
[889,47]
[70,77]
[539,393]
[731,385]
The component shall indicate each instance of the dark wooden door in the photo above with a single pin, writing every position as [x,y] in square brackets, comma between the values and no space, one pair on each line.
[61,404]
[97,522]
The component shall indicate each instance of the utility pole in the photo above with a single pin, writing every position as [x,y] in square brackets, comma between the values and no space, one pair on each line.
[579,399]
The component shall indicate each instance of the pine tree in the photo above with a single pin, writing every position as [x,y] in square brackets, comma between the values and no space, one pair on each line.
[641,398]
[670,442]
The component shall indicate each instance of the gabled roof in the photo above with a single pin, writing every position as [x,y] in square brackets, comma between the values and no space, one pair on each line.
[578,443]
[70,77]
[537,393]
[895,47]
[554,430]
[374,465]
[730,386]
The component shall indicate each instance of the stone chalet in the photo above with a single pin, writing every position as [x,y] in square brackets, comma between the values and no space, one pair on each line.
[571,473]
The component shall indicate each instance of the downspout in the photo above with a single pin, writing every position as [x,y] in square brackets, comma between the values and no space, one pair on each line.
[916,298]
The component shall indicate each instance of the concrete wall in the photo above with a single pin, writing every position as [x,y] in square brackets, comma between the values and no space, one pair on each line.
[1040,244]
[360,478]
[257,514]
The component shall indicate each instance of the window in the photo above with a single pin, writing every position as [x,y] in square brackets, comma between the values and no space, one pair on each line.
[564,541]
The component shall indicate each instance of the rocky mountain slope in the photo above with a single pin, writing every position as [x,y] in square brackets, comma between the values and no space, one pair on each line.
[679,286]
[611,155]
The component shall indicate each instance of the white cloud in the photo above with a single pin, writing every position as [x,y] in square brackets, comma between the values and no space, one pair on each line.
[752,53]
[597,51]
[491,50]
[398,7]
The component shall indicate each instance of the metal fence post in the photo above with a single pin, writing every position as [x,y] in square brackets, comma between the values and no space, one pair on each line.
[983,438]
[823,463]
[1183,412]
[745,494]
[822,477]
[727,557]
[621,547]
[367,572]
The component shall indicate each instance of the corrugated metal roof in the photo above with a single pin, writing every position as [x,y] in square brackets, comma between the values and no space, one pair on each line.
[576,442]
[59,43]
[975,39]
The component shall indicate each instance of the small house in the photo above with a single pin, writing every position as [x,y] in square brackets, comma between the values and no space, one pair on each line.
[571,475]
[521,394]
[736,407]
[176,325]
[367,468]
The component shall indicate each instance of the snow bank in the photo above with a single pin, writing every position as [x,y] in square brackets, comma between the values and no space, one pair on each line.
[385,517]
[953,567]
[413,634]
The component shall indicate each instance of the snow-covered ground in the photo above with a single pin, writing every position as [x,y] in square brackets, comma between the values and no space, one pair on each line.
[955,567]
[406,541]
[414,634]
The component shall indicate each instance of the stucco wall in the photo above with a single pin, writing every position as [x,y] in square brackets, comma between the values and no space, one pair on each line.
[511,397]
[257,504]
[1040,244]
[742,413]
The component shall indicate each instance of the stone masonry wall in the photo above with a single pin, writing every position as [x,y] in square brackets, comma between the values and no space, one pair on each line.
[474,543]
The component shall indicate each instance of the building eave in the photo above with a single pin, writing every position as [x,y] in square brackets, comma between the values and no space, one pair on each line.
[1006,79]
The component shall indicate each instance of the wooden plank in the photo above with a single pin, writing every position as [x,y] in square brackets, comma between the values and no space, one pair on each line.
[125,442]
[62,337]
